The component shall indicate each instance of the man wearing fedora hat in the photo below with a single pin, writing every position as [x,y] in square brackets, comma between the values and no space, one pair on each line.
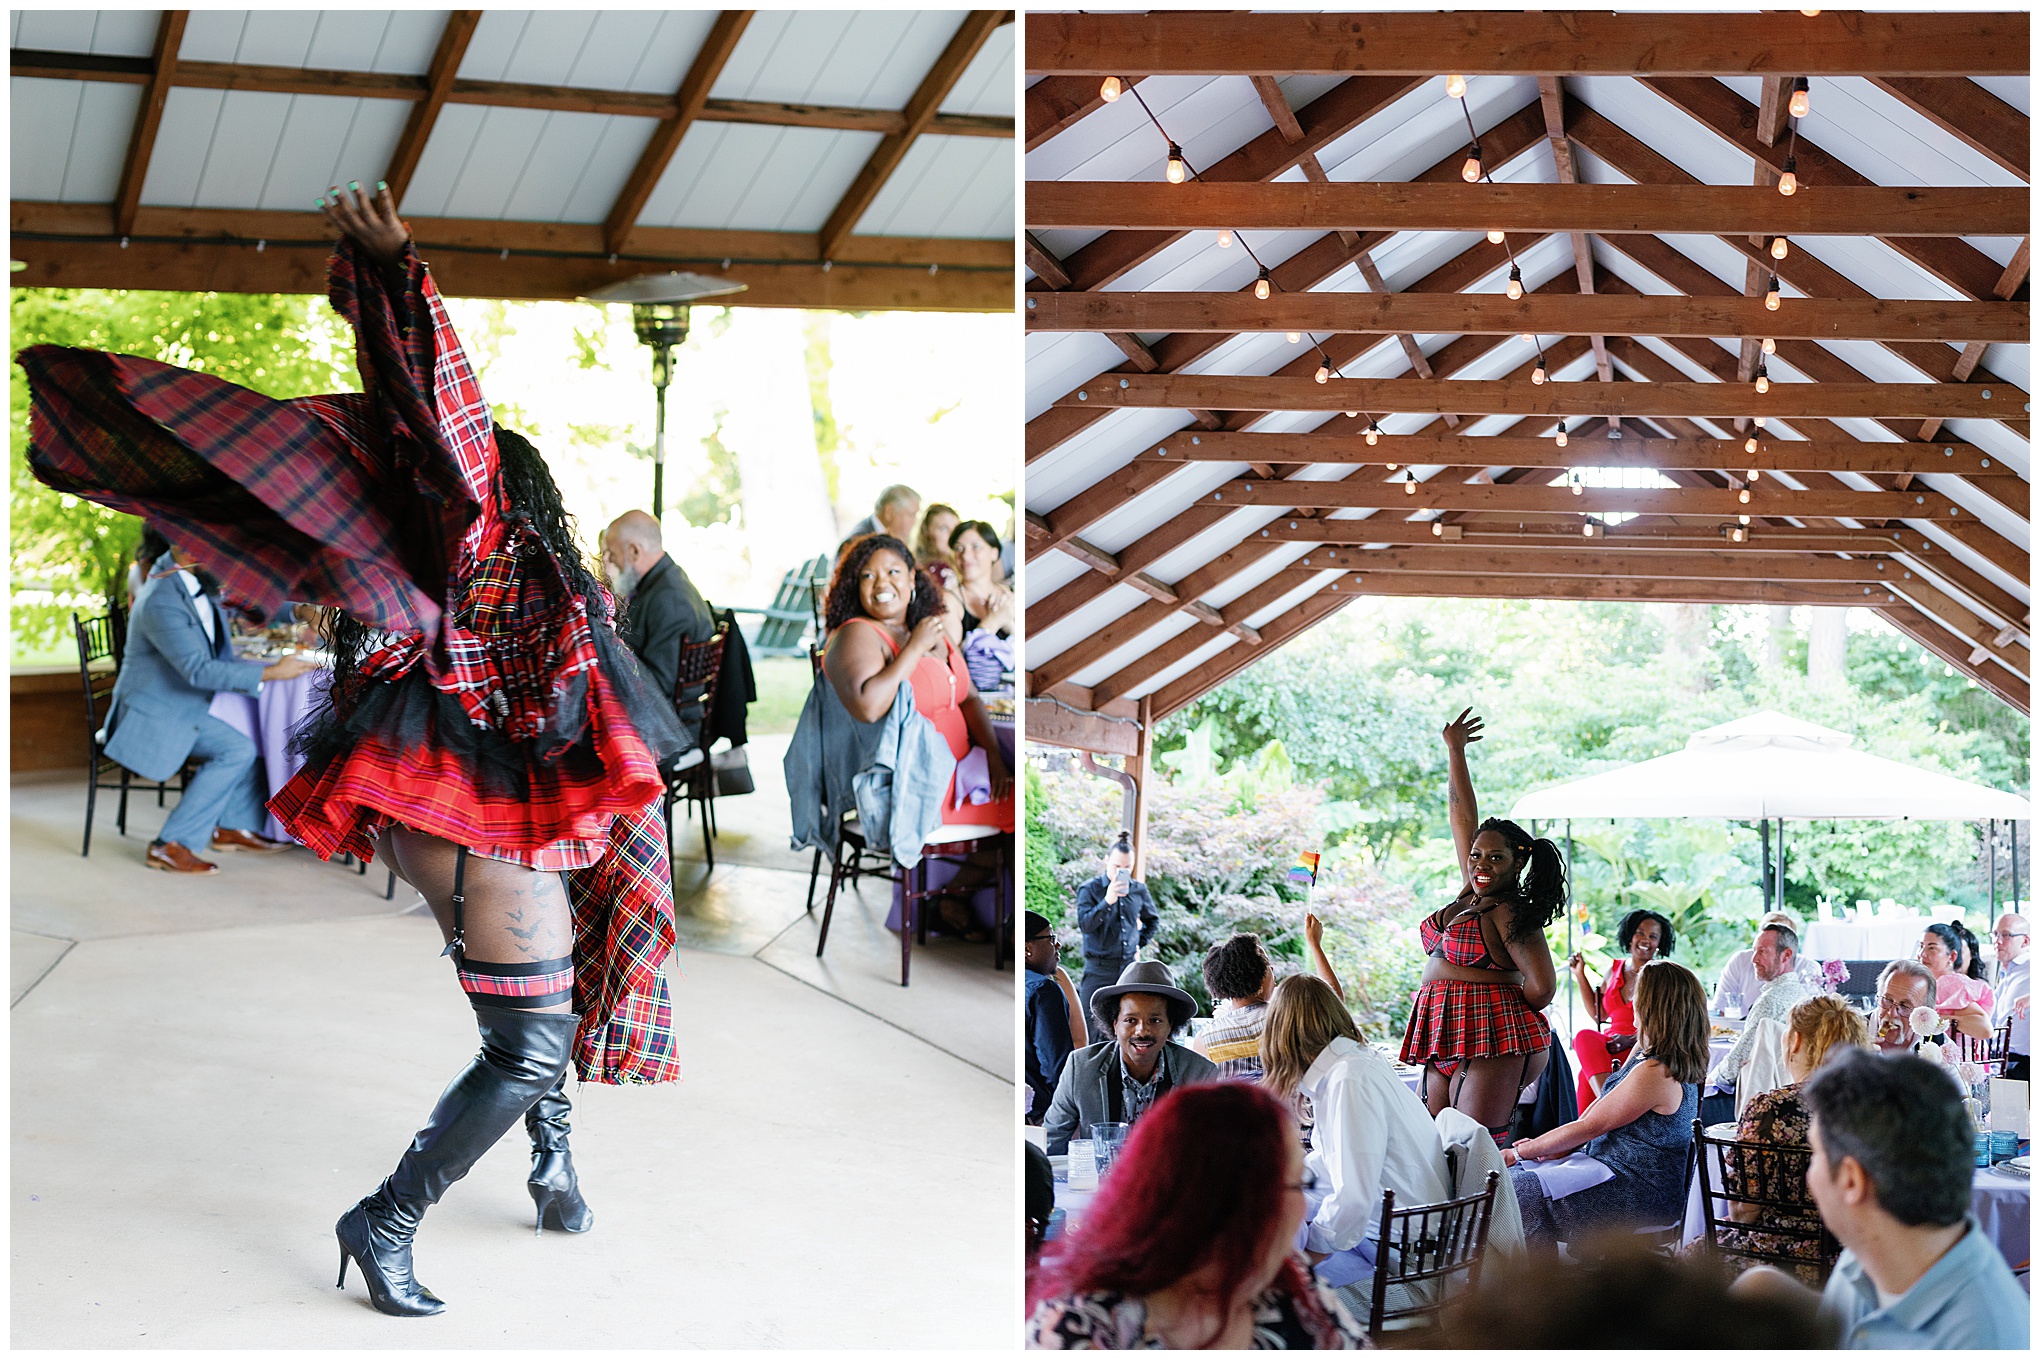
[1117,1080]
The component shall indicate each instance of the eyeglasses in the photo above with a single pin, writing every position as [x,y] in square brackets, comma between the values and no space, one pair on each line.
[2008,935]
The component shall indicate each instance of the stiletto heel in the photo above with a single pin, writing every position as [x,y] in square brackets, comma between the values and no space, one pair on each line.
[341,1283]
[554,1186]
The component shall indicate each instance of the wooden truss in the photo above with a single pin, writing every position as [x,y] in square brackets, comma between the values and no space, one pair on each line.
[127,245]
[1881,510]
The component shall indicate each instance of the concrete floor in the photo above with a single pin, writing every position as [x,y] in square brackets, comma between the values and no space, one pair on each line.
[206,1073]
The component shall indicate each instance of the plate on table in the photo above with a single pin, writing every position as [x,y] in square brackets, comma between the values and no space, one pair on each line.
[1725,1129]
[1721,1031]
[2019,1166]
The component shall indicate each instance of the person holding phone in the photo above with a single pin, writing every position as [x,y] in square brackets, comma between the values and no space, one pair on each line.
[1116,916]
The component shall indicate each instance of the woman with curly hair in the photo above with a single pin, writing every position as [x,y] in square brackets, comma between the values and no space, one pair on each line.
[1642,935]
[485,730]
[1190,1244]
[1474,1025]
[885,629]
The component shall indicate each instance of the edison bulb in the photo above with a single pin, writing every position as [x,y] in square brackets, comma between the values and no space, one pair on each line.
[1755,473]
[1742,519]
[1374,437]
[1410,487]
[1225,240]
[1110,89]
[1455,87]
[1496,237]
[1788,184]
[1261,289]
[1771,300]
[1779,249]
[1323,374]
[1757,421]
[1437,529]
[1770,345]
[1743,496]
[1561,436]
[1515,284]
[1802,100]
[1537,374]
[1579,488]
[1763,382]
[1296,337]
[1178,170]
[1750,445]
[1470,172]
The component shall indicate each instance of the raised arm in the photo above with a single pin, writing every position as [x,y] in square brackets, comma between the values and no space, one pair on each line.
[1460,808]
[864,679]
[1314,938]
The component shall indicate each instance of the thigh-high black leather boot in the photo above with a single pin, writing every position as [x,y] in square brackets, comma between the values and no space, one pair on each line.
[524,1054]
[555,1189]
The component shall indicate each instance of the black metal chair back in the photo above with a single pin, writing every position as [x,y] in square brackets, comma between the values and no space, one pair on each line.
[1422,1247]
[694,687]
[1770,1178]
[105,639]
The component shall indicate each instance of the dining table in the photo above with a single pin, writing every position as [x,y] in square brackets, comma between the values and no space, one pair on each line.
[270,719]
[1878,937]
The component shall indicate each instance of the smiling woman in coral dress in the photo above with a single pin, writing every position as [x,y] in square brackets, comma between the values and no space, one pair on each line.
[486,732]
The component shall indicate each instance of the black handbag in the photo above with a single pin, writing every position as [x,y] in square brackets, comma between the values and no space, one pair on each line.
[733,772]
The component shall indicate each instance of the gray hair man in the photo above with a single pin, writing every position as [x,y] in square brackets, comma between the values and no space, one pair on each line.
[1776,960]
[895,512]
[2013,999]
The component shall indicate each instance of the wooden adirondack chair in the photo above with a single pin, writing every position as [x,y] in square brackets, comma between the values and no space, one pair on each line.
[782,629]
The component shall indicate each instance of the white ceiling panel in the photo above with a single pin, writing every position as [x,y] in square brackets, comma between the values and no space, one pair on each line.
[68,139]
[946,186]
[396,42]
[246,149]
[736,176]
[102,32]
[986,85]
[526,165]
[867,59]
[646,51]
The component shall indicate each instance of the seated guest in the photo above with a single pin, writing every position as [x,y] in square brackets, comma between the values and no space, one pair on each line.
[1739,983]
[179,655]
[931,546]
[1051,1007]
[1641,1128]
[1240,978]
[893,515]
[1189,1244]
[2014,992]
[1817,1029]
[1643,936]
[984,597]
[1892,1170]
[1969,962]
[1040,1203]
[1776,957]
[152,546]
[1902,988]
[1119,1079]
[885,631]
[661,609]
[1370,1132]
[1963,1000]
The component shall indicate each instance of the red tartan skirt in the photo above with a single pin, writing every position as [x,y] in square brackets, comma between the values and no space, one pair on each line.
[1452,1019]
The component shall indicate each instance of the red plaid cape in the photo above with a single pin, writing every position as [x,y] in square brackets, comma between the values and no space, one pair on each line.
[387,505]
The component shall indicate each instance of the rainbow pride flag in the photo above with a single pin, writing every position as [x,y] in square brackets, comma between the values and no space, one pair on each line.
[1305,869]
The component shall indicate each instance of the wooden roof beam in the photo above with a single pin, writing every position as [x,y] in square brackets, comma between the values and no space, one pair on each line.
[1631,537]
[1785,400]
[1060,102]
[446,58]
[1500,43]
[1386,313]
[1891,214]
[1241,655]
[1588,557]
[709,60]
[1160,658]
[1767,497]
[1550,102]
[127,197]
[978,26]
[1938,641]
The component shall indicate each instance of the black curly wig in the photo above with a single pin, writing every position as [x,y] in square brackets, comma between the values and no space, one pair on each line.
[1625,931]
[1236,969]
[1540,888]
[843,604]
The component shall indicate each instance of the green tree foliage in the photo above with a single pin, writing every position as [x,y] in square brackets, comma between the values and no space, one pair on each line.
[278,344]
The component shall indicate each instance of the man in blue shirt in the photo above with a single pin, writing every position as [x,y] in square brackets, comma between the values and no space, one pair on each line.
[1050,1040]
[1117,917]
[1891,1172]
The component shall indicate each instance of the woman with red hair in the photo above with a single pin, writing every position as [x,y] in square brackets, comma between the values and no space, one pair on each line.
[1190,1245]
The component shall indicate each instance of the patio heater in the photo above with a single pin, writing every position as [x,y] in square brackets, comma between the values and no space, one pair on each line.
[658,312]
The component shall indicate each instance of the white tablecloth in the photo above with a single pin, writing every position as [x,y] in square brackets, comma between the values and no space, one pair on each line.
[2001,1201]
[1872,940]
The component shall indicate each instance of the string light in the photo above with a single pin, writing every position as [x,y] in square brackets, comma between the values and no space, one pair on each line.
[1111,89]
[1471,171]
[1224,239]
[1802,98]
[1527,338]
[1323,375]
[1770,345]
[1788,183]
[1296,337]
[1496,236]
[1757,421]
[1561,434]
[1587,529]
[1756,473]
[1743,496]
[1374,436]
[1515,282]
[1810,13]
[1750,445]
[1437,528]
[1738,534]
[1261,285]
[1742,519]
[1763,379]
[1410,487]
[1179,169]
[1455,87]
[1779,250]
[1537,374]
[1391,466]
[1773,296]
[1352,415]
[1579,488]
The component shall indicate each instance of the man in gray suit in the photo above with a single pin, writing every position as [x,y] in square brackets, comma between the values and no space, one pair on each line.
[1120,1079]
[661,609]
[179,654]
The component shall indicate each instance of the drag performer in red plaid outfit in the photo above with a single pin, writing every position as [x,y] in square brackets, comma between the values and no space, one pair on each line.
[1474,1024]
[486,732]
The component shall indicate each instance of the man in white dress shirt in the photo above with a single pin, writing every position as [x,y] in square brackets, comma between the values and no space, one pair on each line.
[2013,995]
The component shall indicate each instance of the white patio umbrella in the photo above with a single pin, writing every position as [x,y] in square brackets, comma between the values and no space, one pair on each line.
[1768,765]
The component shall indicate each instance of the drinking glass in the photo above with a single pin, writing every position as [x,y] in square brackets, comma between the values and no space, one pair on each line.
[1106,1140]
